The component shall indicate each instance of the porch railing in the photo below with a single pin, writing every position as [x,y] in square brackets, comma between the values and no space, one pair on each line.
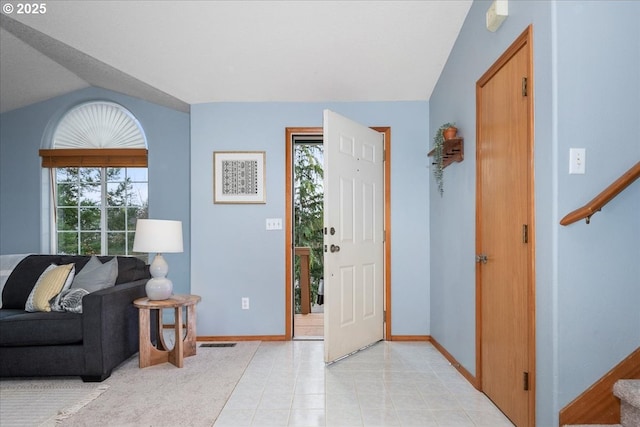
[305,291]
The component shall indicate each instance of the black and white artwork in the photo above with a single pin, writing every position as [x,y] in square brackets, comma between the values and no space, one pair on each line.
[239,176]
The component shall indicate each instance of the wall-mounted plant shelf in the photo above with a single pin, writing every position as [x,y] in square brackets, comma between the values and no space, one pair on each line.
[452,151]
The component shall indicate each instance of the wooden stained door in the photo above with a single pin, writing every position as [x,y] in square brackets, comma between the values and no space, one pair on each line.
[354,236]
[505,233]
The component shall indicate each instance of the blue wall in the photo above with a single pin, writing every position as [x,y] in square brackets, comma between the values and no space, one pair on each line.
[598,264]
[233,256]
[586,63]
[24,131]
[587,290]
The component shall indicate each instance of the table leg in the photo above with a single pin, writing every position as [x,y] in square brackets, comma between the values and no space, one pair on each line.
[144,338]
[148,354]
[190,338]
[162,345]
[176,356]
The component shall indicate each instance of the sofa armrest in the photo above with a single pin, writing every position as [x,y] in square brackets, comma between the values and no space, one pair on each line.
[110,327]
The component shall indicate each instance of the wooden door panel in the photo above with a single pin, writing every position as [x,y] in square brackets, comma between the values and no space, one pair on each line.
[504,216]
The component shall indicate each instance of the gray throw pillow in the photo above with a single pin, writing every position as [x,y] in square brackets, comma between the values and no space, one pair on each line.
[96,275]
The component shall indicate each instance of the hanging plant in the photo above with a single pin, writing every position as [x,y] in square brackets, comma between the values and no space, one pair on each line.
[438,143]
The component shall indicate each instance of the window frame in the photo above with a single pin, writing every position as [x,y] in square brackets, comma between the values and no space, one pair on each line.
[93,134]
[104,207]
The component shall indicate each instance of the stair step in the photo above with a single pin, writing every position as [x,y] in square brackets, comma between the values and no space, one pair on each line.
[629,393]
[593,425]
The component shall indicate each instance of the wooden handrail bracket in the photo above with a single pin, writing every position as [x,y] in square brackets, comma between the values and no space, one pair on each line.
[603,198]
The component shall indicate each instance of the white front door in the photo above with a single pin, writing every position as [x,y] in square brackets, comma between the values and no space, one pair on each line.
[354,236]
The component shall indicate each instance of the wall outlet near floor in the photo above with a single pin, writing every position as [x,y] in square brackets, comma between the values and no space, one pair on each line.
[245,303]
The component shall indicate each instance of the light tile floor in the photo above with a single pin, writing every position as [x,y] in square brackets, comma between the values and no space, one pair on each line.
[388,384]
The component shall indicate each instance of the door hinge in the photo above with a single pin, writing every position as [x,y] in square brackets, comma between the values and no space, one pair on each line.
[384,236]
[384,316]
[524,86]
[525,233]
[384,155]
[525,381]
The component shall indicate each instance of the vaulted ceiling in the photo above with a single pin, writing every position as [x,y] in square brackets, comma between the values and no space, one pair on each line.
[179,53]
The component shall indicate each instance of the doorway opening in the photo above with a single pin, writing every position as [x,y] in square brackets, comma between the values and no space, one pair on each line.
[316,133]
[308,257]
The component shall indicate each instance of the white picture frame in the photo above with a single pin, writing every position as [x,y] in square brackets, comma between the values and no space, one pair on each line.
[239,177]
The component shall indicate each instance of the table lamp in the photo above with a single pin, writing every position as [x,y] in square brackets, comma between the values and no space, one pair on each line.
[159,236]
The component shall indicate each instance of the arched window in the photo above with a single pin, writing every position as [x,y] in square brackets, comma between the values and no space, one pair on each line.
[99,180]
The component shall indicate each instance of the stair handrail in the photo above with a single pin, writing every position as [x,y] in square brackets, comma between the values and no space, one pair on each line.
[595,205]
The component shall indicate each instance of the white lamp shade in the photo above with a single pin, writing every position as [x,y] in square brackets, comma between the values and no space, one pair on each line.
[158,235]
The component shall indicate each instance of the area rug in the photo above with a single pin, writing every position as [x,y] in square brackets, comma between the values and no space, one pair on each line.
[36,402]
[164,395]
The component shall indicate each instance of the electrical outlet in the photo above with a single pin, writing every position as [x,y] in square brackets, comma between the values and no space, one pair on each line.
[245,303]
[274,223]
[577,160]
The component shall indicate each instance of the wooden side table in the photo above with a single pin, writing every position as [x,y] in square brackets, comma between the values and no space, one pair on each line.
[150,355]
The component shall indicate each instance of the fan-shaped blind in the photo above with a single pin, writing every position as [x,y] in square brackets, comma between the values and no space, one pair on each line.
[97,134]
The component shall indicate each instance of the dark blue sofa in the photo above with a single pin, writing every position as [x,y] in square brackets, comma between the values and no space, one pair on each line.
[90,344]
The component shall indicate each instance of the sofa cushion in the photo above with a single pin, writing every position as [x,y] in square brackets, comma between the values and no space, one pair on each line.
[26,273]
[7,264]
[23,278]
[8,312]
[54,279]
[130,269]
[40,328]
[96,275]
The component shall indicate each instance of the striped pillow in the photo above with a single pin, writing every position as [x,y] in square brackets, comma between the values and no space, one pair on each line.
[50,283]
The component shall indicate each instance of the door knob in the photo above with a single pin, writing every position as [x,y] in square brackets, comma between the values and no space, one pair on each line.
[481,258]
[334,248]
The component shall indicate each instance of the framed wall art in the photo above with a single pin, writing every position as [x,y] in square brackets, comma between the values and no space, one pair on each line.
[239,177]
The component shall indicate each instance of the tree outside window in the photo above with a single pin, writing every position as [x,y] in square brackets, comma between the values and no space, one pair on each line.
[97,209]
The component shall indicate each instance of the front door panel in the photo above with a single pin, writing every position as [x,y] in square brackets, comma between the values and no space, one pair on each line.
[354,254]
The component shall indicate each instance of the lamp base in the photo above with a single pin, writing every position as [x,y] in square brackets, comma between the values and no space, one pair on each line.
[159,288]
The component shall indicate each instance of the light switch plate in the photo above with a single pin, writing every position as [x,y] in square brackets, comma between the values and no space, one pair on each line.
[577,160]
[274,224]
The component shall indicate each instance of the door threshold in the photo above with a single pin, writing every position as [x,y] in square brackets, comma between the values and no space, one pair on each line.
[307,338]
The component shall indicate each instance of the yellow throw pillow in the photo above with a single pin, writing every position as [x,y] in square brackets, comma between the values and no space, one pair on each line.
[51,284]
